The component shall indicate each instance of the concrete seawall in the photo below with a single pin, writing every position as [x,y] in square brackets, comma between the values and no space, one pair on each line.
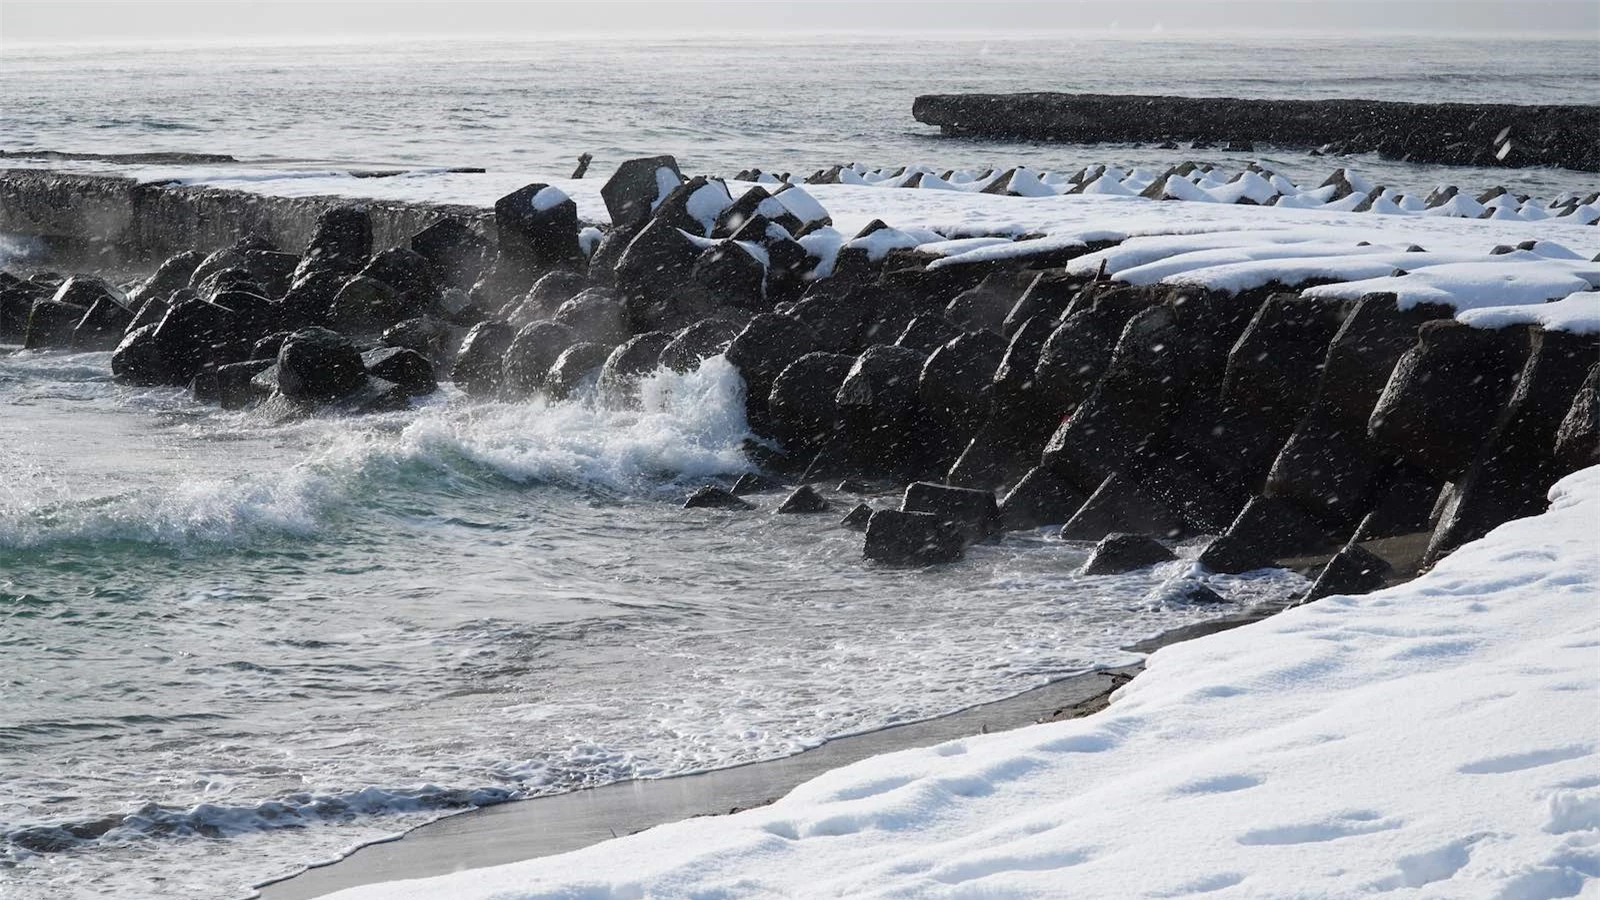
[1439,133]
[117,221]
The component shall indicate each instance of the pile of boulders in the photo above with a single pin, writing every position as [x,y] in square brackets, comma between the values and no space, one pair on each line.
[1008,394]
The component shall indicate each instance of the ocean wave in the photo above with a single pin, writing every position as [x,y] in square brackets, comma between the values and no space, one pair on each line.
[213,820]
[682,426]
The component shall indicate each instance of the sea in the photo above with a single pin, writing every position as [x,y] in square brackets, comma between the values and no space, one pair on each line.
[233,647]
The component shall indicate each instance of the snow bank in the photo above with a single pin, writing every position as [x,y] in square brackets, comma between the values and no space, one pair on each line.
[1578,313]
[1436,739]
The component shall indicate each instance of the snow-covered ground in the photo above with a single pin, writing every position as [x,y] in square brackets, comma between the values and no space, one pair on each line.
[1436,739]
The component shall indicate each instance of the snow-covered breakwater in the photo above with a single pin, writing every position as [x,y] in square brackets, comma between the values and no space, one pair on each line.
[1447,133]
[1313,384]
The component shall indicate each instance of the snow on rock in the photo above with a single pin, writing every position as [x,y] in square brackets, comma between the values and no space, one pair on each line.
[1578,313]
[1436,739]
[707,203]
[804,206]
[1502,280]
[548,198]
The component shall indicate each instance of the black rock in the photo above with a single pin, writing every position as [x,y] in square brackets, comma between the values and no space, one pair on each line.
[912,538]
[1119,504]
[172,274]
[455,250]
[694,206]
[364,303]
[985,307]
[407,368]
[546,296]
[801,406]
[138,358]
[879,411]
[838,319]
[102,326]
[654,278]
[427,337]
[51,324]
[633,361]
[373,395]
[1577,444]
[1353,570]
[595,315]
[712,497]
[1274,368]
[1048,297]
[973,513]
[804,499]
[1266,530]
[632,193]
[187,334]
[533,351]
[1118,553]
[318,365]
[857,518]
[407,271]
[235,385]
[309,299]
[342,241]
[697,343]
[16,304]
[537,227]
[766,346]
[574,367]
[1040,498]
[1185,591]
[1445,394]
[954,389]
[479,364]
[730,274]
[927,333]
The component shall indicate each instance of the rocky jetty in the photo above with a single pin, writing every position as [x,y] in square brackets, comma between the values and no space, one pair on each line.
[1475,134]
[990,392]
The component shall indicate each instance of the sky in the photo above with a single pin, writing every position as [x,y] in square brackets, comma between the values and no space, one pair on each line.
[52,21]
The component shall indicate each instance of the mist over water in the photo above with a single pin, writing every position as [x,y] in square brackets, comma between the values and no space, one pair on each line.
[233,646]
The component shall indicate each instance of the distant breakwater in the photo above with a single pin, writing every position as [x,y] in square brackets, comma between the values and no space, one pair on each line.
[1477,134]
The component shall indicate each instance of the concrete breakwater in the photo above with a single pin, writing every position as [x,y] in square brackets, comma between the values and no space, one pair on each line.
[1003,391]
[117,222]
[1479,134]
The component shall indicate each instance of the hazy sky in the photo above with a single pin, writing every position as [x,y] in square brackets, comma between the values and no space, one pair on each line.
[25,21]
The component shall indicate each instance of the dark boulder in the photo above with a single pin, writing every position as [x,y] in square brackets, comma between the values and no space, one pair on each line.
[762,351]
[927,333]
[1445,394]
[268,347]
[1328,469]
[102,326]
[954,390]
[577,365]
[428,337]
[1184,591]
[1118,553]
[631,194]
[1040,498]
[595,315]
[316,365]
[879,414]
[479,363]
[633,361]
[51,323]
[1363,353]
[310,298]
[407,368]
[755,483]
[271,269]
[532,352]
[654,278]
[138,358]
[973,513]
[1121,504]
[1353,570]
[1265,531]
[537,228]
[1048,297]
[16,304]
[151,311]
[1274,368]
[912,538]
[235,385]
[804,499]
[1512,473]
[1075,355]
[858,517]
[985,307]
[838,319]
[454,249]
[546,296]
[695,205]
[188,333]
[341,242]
[712,497]
[372,395]
[733,274]
[1577,443]
[171,275]
[802,406]
[407,271]
[365,304]
[697,343]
